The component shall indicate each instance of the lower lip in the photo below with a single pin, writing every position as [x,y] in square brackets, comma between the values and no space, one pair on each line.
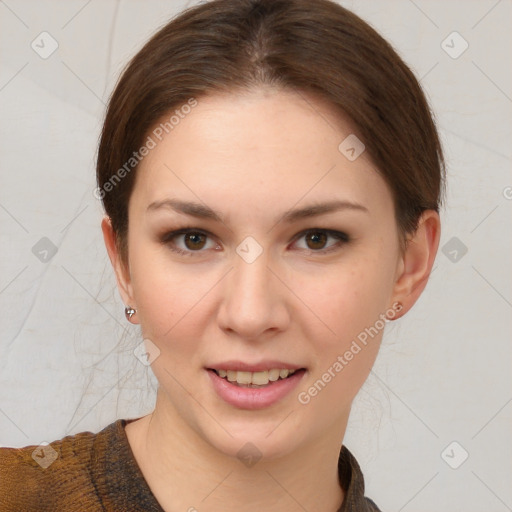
[255,398]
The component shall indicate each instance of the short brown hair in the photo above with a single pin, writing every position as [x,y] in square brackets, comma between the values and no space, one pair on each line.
[315,46]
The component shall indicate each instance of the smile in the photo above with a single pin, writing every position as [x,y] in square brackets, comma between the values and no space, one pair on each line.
[254,379]
[241,389]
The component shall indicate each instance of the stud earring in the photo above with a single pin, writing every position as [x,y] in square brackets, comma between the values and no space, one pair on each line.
[393,312]
[129,312]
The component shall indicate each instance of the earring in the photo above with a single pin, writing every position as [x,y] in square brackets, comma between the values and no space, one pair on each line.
[129,312]
[392,312]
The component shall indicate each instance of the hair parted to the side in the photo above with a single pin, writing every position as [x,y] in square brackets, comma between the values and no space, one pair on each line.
[314,46]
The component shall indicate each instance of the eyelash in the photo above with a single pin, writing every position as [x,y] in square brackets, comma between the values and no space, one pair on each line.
[342,238]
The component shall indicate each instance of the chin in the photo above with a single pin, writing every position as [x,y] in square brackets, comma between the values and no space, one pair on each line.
[251,443]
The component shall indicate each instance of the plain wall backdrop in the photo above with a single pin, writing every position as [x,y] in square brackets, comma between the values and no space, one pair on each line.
[441,388]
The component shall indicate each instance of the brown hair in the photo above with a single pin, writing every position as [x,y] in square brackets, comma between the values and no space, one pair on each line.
[315,46]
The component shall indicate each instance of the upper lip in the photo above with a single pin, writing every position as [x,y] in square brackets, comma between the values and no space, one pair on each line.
[254,367]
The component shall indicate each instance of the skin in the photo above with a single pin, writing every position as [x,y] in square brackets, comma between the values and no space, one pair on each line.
[251,157]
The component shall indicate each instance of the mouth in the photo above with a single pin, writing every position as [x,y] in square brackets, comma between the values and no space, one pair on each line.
[254,390]
[260,379]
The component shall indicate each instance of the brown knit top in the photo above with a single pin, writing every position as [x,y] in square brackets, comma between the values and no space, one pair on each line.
[89,472]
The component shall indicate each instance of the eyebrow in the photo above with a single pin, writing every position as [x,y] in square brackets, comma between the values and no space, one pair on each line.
[202,211]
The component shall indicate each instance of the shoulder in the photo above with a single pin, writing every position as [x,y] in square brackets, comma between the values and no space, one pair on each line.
[352,480]
[50,477]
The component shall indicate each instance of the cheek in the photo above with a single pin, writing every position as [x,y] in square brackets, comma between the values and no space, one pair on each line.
[351,298]
[175,305]
[165,295]
[347,339]
[350,306]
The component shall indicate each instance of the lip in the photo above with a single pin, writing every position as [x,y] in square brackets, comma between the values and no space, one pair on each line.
[254,398]
[240,366]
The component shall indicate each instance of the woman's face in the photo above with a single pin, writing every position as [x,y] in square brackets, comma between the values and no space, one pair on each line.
[260,284]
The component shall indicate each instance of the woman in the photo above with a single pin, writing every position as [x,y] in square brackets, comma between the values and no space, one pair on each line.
[271,176]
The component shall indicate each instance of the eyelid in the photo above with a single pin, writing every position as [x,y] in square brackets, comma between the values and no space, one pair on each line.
[169,236]
[183,231]
[332,232]
[341,237]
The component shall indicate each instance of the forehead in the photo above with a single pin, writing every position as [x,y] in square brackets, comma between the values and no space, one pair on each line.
[265,144]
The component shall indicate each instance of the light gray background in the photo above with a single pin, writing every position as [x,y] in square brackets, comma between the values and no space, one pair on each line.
[443,374]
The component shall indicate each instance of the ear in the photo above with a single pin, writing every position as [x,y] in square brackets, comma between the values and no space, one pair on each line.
[122,273]
[416,261]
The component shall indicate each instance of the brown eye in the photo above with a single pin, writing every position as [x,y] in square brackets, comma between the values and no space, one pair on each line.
[320,241]
[188,242]
[316,240]
[194,241]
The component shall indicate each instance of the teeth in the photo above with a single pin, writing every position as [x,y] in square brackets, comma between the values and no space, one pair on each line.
[256,378]
[273,375]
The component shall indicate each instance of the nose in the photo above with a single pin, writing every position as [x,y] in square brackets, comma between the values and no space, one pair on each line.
[255,302]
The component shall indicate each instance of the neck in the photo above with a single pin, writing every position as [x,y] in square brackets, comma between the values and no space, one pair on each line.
[185,472]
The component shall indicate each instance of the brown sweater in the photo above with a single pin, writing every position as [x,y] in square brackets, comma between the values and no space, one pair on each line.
[90,472]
